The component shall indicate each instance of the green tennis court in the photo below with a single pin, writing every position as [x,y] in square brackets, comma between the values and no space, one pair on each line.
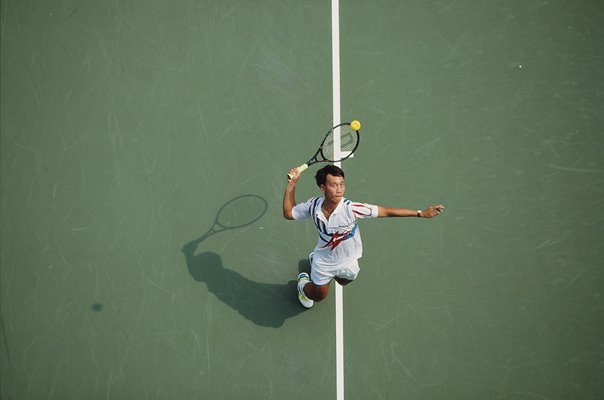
[129,128]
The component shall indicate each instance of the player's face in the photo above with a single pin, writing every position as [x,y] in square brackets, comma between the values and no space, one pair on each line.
[333,189]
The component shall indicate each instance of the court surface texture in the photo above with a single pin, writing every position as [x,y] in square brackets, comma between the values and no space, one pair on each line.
[129,128]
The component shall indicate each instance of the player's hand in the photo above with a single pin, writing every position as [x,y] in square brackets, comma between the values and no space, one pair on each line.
[295,175]
[432,211]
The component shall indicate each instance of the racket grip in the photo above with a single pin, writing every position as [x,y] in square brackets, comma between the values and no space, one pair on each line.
[300,169]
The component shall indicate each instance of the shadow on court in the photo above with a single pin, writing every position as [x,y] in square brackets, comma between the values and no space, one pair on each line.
[264,304]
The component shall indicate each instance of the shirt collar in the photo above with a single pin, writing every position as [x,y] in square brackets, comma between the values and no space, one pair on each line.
[319,211]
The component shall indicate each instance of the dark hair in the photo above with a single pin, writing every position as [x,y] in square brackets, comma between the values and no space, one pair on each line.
[321,175]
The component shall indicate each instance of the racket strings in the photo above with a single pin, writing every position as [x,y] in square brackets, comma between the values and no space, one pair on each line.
[348,143]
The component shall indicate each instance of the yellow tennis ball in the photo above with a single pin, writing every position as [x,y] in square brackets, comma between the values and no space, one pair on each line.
[356,125]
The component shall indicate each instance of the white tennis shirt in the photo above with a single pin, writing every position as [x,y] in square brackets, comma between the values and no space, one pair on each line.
[339,239]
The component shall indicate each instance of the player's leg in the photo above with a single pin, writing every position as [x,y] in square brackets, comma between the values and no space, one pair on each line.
[309,292]
[316,292]
[318,287]
[315,287]
[343,281]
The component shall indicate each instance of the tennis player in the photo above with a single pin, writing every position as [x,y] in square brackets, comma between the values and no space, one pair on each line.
[339,245]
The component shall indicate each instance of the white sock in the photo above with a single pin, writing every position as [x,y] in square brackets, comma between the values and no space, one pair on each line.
[301,286]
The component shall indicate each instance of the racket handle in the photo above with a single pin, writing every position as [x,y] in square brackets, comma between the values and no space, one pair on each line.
[300,169]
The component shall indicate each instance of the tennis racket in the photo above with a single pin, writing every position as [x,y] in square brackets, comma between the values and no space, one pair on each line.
[349,141]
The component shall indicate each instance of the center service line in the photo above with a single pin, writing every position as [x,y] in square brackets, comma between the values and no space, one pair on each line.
[335,58]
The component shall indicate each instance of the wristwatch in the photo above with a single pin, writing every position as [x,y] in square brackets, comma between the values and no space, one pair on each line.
[419,213]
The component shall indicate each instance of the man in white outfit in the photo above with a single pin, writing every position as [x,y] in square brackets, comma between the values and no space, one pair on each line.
[339,245]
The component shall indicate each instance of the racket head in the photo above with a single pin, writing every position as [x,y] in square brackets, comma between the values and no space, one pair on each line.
[349,141]
[241,211]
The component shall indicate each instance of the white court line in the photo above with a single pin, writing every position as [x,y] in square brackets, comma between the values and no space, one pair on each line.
[335,59]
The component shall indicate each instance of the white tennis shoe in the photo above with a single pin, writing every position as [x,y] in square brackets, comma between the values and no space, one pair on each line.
[303,279]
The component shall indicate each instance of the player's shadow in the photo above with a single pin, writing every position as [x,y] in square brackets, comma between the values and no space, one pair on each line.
[265,304]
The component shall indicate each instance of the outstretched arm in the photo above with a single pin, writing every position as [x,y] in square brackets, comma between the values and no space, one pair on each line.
[289,197]
[429,212]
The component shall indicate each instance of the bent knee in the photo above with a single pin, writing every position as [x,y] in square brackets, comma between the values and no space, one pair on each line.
[321,292]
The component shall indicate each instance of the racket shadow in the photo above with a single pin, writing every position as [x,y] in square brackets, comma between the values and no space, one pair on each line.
[264,304]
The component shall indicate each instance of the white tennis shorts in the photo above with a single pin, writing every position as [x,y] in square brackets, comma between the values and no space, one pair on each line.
[321,276]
